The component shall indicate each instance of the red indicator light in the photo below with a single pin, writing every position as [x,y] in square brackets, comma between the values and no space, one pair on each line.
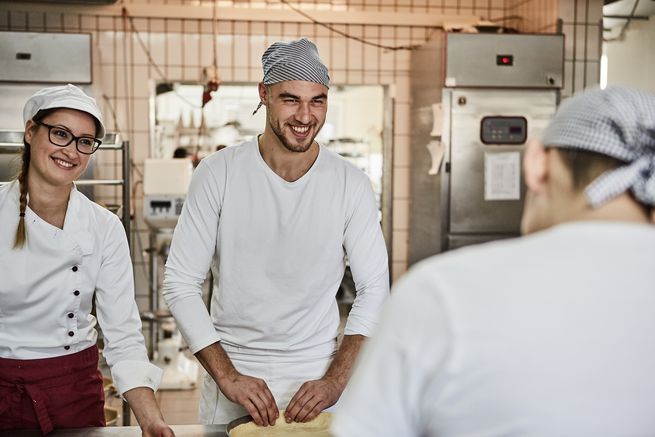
[504,60]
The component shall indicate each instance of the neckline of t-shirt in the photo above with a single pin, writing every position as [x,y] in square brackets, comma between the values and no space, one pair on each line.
[298,181]
[593,226]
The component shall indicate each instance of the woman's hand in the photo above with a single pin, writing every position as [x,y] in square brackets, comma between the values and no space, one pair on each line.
[158,428]
[144,405]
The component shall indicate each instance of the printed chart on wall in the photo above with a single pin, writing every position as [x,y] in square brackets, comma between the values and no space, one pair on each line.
[502,176]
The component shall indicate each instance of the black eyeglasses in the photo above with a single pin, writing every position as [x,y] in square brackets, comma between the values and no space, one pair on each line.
[62,137]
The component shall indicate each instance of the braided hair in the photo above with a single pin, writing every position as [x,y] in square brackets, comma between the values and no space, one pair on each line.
[23,178]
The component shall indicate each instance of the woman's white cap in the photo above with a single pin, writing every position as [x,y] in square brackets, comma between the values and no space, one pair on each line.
[63,96]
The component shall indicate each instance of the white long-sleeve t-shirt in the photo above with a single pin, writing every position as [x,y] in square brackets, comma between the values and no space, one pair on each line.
[47,289]
[551,334]
[279,250]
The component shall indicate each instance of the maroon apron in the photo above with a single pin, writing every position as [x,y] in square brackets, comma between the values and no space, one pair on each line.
[48,393]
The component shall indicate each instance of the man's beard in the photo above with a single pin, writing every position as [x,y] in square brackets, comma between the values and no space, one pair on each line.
[301,148]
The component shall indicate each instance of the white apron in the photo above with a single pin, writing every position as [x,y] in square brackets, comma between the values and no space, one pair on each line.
[283,373]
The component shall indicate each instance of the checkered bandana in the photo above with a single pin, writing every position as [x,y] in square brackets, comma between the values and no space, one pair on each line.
[617,122]
[294,60]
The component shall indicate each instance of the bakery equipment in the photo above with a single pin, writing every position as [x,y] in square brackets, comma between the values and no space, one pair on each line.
[477,99]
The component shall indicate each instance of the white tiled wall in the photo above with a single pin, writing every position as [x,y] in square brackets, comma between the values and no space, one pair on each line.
[582,25]
[182,47]
[631,61]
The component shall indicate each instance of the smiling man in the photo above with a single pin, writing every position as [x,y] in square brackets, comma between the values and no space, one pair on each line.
[276,217]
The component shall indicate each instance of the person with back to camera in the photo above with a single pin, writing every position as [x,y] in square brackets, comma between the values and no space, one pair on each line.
[551,334]
[60,254]
[277,215]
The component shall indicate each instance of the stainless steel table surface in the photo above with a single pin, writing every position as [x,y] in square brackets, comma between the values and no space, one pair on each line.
[122,431]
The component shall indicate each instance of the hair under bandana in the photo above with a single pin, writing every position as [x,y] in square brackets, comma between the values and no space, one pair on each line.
[617,122]
[294,60]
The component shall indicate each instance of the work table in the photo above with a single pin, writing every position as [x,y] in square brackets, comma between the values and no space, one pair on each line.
[122,431]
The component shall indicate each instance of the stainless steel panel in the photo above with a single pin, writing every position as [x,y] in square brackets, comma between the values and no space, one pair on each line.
[45,57]
[425,213]
[448,210]
[11,146]
[457,241]
[469,211]
[11,137]
[538,60]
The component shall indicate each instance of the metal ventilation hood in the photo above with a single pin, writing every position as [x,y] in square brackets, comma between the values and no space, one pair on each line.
[619,13]
[625,8]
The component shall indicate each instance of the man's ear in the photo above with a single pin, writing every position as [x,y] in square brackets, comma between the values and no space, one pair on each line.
[262,93]
[535,166]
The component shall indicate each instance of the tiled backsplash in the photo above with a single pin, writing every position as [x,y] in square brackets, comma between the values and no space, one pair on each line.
[181,47]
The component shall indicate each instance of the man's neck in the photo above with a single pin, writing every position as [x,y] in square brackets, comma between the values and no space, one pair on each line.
[623,208]
[289,165]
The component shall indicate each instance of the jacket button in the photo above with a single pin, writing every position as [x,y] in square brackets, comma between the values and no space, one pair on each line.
[71,333]
[76,292]
[67,347]
[74,268]
[70,315]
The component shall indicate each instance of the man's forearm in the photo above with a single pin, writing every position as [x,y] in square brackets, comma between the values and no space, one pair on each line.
[216,361]
[251,393]
[317,395]
[342,365]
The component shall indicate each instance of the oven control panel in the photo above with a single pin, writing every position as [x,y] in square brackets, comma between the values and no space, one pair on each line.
[503,130]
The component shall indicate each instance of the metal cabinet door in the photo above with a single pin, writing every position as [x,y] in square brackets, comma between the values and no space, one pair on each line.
[469,212]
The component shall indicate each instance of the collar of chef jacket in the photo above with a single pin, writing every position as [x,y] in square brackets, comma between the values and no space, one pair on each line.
[78,224]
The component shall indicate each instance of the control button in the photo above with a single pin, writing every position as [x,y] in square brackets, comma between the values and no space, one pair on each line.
[76,292]
[74,268]
[70,315]
[67,347]
[71,333]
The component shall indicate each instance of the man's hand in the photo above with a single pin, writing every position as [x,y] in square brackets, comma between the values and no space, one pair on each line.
[315,396]
[312,398]
[251,393]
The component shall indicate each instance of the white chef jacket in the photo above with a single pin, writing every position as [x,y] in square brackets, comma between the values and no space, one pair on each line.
[279,250]
[551,334]
[47,289]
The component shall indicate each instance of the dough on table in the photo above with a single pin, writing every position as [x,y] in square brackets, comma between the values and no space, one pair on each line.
[319,427]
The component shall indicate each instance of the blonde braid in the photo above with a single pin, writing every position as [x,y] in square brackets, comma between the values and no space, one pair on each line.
[21,234]
[21,231]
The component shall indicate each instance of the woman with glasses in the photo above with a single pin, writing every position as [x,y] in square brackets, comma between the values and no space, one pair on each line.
[61,254]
